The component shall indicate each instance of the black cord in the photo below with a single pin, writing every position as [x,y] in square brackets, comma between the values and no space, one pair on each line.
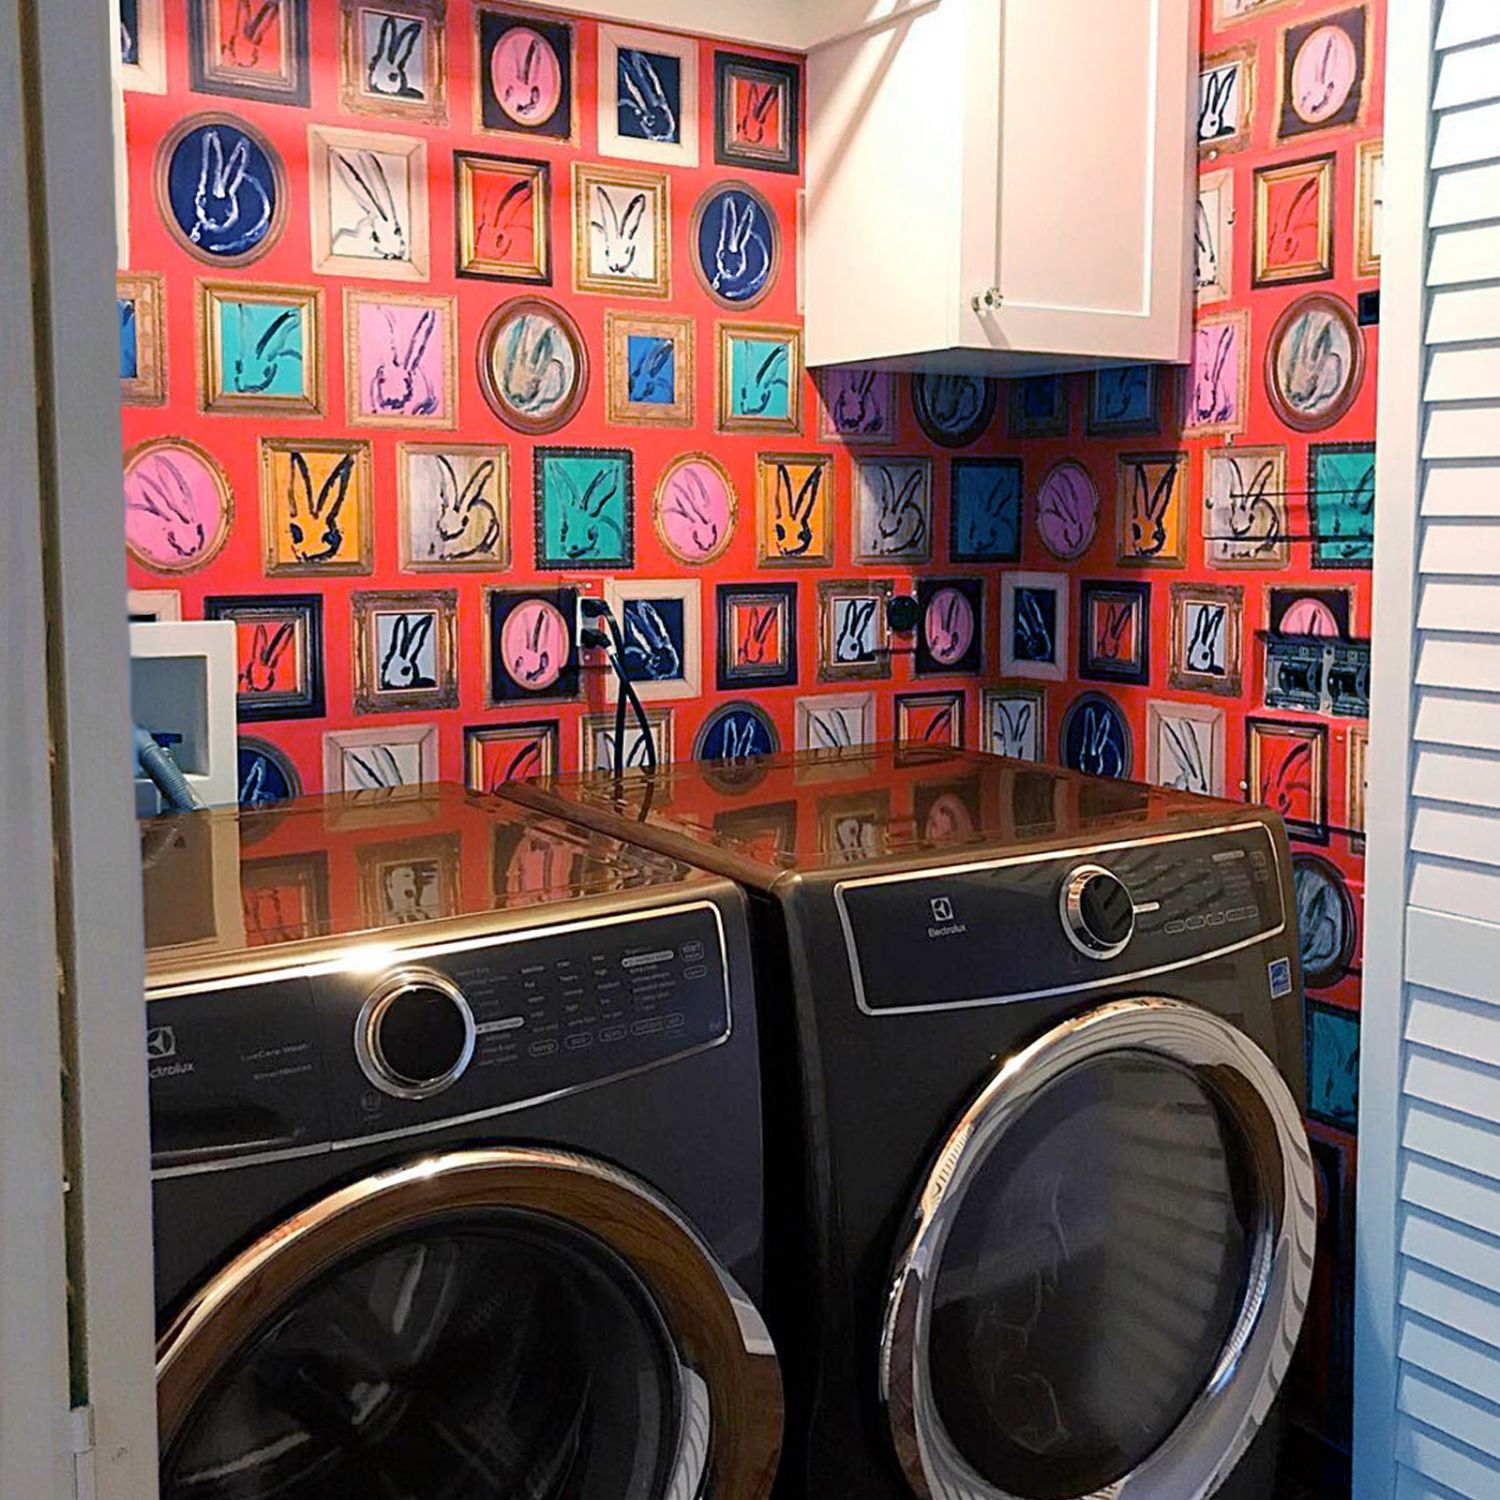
[599,610]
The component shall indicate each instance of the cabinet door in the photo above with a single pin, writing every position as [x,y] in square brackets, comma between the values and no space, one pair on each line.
[1095,110]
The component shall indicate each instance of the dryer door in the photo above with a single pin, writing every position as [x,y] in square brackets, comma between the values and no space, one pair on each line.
[1109,1269]
[485,1323]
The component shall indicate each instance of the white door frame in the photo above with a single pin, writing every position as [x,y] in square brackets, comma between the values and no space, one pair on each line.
[70,916]
[1410,27]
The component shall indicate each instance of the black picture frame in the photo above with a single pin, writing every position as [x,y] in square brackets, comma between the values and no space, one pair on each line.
[972,660]
[732,676]
[731,65]
[1093,666]
[253,706]
[203,79]
[500,684]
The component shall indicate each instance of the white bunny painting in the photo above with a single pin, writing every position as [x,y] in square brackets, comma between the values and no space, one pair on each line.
[454,507]
[405,652]
[892,510]
[621,240]
[368,204]
[648,96]
[392,58]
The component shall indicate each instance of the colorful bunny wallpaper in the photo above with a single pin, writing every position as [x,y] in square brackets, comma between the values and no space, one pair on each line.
[437,316]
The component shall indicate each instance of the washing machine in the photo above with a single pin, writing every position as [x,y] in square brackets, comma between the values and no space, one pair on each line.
[1049,1229]
[457,1161]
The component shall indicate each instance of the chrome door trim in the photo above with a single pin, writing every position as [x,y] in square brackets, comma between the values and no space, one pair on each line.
[729,1434]
[1220,1425]
[1111,981]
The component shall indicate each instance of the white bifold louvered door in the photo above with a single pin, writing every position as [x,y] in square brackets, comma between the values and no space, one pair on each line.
[1427,1356]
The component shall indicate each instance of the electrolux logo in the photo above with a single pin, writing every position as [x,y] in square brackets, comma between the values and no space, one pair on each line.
[161,1050]
[944,923]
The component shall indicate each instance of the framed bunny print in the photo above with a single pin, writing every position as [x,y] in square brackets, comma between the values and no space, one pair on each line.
[950,638]
[596,741]
[143,47]
[1245,522]
[249,49]
[533,364]
[178,505]
[316,506]
[985,502]
[1294,210]
[1185,747]
[759,385]
[650,370]
[585,508]
[1034,625]
[495,754]
[260,349]
[648,96]
[735,240]
[1208,628]
[662,626]
[393,758]
[757,635]
[1321,74]
[279,645]
[892,510]
[531,652]
[757,113]
[1152,509]
[524,66]
[1114,631]
[697,508]
[622,238]
[794,509]
[405,650]
[221,189]
[504,208]
[852,638]
[455,507]
[1013,721]
[856,406]
[398,360]
[1286,765]
[1218,379]
[367,204]
[392,57]
[835,721]
[930,718]
[143,340]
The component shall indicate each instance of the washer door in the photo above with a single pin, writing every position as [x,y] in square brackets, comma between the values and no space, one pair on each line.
[486,1323]
[1110,1266]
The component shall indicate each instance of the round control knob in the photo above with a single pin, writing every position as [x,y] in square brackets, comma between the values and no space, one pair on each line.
[1098,912]
[415,1034]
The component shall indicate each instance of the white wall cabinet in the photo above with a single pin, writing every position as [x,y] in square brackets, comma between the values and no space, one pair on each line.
[1003,186]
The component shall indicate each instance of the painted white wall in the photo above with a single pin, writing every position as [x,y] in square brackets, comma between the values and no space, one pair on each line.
[1427,1335]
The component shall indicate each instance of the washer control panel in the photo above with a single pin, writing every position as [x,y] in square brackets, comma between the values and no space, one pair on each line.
[442,1033]
[1016,928]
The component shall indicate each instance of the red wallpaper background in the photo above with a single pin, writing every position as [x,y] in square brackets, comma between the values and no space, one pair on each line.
[1269,36]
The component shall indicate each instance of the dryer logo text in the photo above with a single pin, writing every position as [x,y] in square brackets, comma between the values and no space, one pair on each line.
[942,916]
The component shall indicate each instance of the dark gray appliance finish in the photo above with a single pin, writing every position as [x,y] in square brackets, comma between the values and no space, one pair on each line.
[472,1204]
[1055,1223]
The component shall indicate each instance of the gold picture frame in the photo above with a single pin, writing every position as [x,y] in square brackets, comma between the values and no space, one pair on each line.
[872,659]
[619,227]
[436,858]
[257,368]
[470,169]
[365,224]
[401,661]
[1206,650]
[622,404]
[324,487]
[740,387]
[1318,266]
[396,388]
[1358,782]
[479,500]
[1242,58]
[146,293]
[1369,210]
[396,44]
[794,509]
[596,733]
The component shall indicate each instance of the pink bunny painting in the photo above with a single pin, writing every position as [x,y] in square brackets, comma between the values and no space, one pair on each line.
[403,356]
[177,506]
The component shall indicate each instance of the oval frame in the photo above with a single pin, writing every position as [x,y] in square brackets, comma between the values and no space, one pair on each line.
[681,462]
[753,773]
[773,274]
[969,435]
[1340,408]
[283,762]
[226,504]
[1322,979]
[164,154]
[1036,505]
[1083,700]
[489,335]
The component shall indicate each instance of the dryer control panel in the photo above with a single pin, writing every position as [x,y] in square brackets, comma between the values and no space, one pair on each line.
[1044,924]
[440,1032]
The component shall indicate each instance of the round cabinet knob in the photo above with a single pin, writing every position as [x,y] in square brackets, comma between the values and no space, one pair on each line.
[1098,912]
[415,1034]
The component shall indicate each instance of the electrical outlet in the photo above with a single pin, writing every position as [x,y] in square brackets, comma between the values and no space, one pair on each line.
[587,588]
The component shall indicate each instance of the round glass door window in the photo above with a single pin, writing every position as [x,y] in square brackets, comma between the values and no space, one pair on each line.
[1092,1278]
[501,1355]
